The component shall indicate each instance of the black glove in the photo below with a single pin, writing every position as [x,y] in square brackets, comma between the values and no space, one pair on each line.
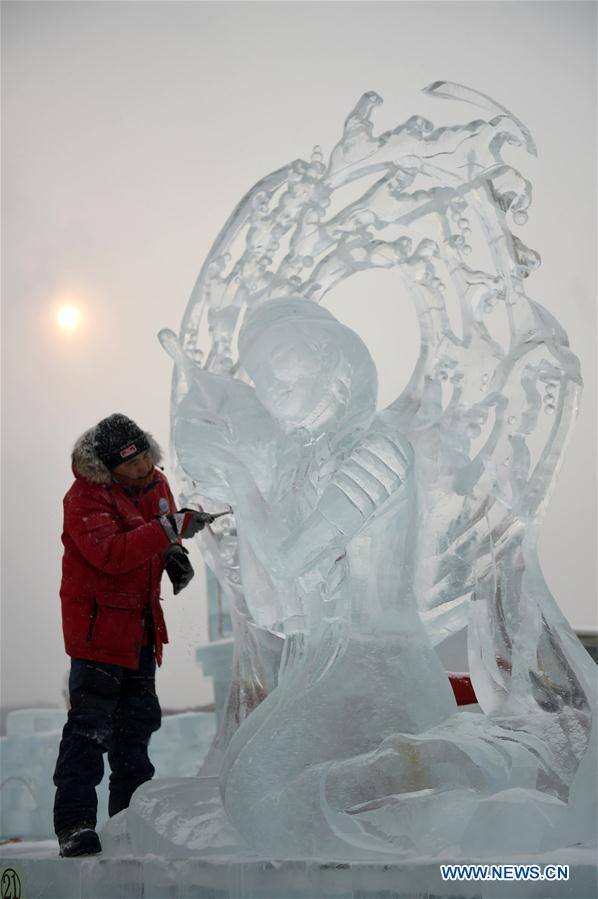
[185,523]
[178,567]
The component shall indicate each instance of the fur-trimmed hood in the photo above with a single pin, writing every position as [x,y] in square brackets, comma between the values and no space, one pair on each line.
[88,465]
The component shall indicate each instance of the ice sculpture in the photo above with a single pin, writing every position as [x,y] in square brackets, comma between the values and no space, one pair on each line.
[363,537]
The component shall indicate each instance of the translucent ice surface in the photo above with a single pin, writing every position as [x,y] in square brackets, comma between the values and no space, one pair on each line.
[363,536]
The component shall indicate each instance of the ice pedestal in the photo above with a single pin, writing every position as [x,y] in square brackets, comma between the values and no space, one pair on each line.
[199,879]
[44,876]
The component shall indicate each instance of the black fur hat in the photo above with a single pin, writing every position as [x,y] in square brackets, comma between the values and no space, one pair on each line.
[118,439]
[87,462]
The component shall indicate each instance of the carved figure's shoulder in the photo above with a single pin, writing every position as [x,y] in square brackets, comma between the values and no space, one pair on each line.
[376,468]
[384,449]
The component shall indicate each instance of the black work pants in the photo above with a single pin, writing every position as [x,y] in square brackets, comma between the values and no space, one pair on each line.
[113,710]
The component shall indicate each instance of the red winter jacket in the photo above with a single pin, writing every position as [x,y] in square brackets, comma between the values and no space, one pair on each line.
[112,563]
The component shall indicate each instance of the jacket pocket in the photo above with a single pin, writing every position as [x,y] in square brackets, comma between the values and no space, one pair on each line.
[116,626]
[119,600]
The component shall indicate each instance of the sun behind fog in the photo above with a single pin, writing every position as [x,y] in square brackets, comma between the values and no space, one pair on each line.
[68,318]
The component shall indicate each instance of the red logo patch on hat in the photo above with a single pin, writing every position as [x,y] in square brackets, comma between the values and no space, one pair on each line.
[129,451]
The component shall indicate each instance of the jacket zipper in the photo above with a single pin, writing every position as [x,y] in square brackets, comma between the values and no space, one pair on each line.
[150,578]
[92,619]
[135,502]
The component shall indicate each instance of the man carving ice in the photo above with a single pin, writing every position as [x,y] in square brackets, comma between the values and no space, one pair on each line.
[121,531]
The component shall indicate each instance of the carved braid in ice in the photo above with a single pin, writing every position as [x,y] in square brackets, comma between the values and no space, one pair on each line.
[365,538]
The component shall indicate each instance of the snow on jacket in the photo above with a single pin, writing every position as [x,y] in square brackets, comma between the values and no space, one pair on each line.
[113,561]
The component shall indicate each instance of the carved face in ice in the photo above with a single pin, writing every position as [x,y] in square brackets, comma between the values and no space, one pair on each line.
[307,368]
[294,375]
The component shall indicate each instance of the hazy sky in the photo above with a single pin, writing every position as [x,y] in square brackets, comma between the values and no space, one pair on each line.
[130,131]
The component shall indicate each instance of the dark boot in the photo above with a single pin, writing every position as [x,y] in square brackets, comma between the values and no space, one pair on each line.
[79,840]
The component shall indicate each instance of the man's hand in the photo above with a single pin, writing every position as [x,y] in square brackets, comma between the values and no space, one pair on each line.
[185,523]
[178,567]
